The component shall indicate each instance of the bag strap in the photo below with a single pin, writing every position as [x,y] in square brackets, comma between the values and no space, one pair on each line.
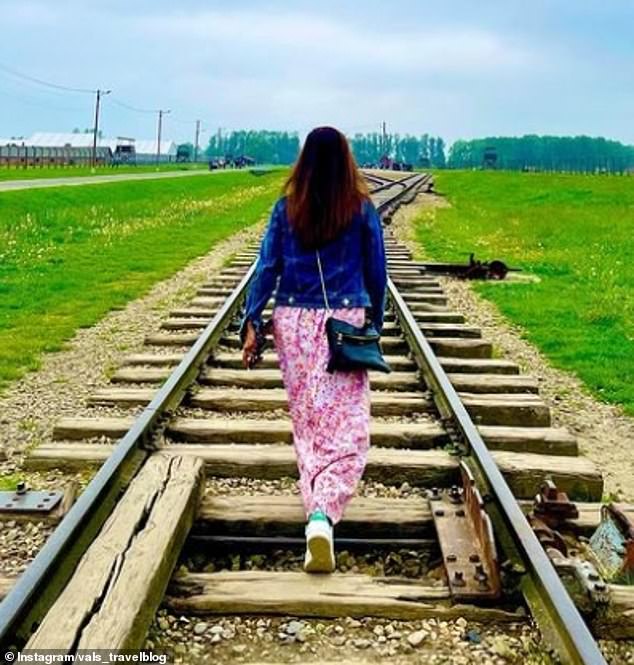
[323,285]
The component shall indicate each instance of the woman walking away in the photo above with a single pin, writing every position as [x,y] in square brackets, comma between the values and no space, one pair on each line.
[323,250]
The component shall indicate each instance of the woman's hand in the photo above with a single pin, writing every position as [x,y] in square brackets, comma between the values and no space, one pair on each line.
[249,348]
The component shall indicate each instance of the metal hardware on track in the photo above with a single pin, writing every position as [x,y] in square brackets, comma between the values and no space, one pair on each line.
[551,606]
[38,587]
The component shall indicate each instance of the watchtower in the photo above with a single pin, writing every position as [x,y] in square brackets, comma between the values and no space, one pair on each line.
[490,157]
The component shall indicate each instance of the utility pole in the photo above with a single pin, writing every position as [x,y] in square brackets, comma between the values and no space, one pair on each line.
[220,155]
[196,141]
[161,113]
[384,139]
[100,93]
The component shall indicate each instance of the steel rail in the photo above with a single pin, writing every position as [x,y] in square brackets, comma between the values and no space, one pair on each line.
[401,182]
[38,587]
[379,181]
[551,606]
[374,178]
[36,590]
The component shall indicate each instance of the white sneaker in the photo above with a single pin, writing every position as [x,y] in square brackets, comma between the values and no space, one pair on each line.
[320,551]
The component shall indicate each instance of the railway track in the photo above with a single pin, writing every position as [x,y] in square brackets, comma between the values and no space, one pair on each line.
[466,430]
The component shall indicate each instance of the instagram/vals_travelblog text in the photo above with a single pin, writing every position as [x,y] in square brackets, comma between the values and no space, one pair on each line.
[104,656]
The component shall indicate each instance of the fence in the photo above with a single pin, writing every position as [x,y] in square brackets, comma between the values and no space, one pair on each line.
[24,156]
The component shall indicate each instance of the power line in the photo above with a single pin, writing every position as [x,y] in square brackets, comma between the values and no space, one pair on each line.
[128,107]
[40,104]
[48,84]
[64,88]
[98,92]
[183,122]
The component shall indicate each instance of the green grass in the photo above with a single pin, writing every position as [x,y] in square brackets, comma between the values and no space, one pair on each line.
[9,481]
[576,235]
[69,255]
[33,173]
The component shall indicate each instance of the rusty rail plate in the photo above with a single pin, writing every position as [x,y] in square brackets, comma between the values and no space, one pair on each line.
[466,540]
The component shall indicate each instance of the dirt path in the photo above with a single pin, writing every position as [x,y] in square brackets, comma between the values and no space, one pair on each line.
[75,181]
[605,434]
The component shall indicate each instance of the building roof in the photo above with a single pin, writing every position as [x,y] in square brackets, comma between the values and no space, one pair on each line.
[149,147]
[61,140]
[80,140]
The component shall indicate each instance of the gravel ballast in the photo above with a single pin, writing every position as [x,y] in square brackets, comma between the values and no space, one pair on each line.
[604,433]
[60,388]
[66,379]
[293,640]
[19,543]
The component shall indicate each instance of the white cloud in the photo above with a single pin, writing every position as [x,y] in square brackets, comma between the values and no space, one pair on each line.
[458,69]
[295,39]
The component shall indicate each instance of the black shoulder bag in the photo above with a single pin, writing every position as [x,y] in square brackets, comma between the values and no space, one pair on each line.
[351,347]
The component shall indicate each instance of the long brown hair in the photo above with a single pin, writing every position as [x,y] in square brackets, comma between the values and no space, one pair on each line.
[325,189]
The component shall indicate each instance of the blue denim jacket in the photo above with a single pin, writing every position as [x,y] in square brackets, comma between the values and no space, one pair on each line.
[353,265]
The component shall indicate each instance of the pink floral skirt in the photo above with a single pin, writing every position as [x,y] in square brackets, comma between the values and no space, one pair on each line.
[330,412]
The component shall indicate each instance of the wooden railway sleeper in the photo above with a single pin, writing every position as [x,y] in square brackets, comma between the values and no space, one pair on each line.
[468,499]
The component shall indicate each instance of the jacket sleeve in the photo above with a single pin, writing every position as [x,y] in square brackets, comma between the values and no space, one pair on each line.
[374,263]
[267,271]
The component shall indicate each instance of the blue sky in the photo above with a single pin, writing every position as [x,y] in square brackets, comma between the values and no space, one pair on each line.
[458,69]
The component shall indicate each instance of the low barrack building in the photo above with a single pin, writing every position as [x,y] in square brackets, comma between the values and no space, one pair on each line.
[75,148]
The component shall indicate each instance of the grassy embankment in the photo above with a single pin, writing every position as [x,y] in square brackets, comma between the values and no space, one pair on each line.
[36,173]
[576,234]
[69,255]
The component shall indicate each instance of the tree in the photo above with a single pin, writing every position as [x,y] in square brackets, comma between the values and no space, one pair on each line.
[283,147]
[439,160]
[572,154]
[369,148]
[264,146]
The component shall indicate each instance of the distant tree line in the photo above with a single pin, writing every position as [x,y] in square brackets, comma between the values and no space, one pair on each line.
[424,150]
[266,147]
[283,147]
[578,154]
[581,154]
